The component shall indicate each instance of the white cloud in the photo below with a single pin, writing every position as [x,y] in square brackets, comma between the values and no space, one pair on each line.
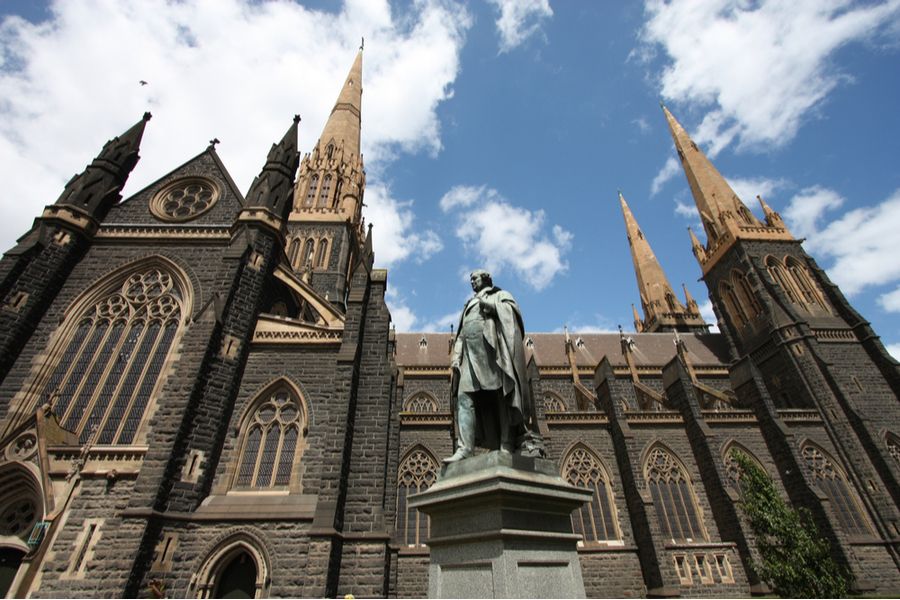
[465,195]
[759,67]
[405,319]
[706,311]
[402,316]
[642,124]
[748,188]
[234,69]
[519,20]
[890,301]
[393,236]
[507,236]
[894,350]
[667,172]
[687,210]
[861,242]
[804,210]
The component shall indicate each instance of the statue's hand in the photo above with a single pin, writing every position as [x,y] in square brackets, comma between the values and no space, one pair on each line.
[486,307]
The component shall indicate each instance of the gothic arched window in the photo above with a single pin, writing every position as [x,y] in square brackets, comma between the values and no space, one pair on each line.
[804,281]
[417,473]
[308,249]
[323,193]
[778,273]
[833,481]
[595,521]
[293,252]
[673,497]
[322,254]
[732,304]
[732,468]
[745,293]
[553,403]
[272,440]
[106,375]
[311,190]
[337,193]
[421,403]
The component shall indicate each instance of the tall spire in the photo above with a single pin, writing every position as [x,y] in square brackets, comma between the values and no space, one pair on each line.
[343,126]
[662,309]
[97,188]
[725,217]
[332,178]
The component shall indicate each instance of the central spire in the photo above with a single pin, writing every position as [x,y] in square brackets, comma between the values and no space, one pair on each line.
[332,180]
[343,126]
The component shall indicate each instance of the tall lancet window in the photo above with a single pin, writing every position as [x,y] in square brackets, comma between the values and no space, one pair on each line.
[417,473]
[106,376]
[311,190]
[308,249]
[833,481]
[326,189]
[595,521]
[272,440]
[322,254]
[673,497]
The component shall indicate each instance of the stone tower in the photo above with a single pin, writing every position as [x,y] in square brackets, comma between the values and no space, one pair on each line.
[799,345]
[662,309]
[325,232]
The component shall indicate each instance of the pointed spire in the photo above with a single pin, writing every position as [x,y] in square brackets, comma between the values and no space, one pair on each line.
[656,292]
[697,247]
[273,188]
[662,309]
[343,126]
[720,208]
[638,324]
[689,301]
[97,188]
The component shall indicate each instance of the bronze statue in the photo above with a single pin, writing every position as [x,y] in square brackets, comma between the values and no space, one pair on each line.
[489,382]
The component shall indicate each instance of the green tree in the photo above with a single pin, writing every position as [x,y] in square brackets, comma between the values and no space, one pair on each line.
[795,558]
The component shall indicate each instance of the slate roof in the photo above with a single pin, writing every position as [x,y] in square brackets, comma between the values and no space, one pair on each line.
[651,349]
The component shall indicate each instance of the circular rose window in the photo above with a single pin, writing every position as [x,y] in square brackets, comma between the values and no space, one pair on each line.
[184,199]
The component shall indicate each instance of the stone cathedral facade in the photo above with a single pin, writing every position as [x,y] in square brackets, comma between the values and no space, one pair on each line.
[201,395]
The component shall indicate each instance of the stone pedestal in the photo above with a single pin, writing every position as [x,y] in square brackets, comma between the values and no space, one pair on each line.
[501,528]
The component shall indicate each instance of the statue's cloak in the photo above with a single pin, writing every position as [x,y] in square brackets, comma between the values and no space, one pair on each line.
[504,335]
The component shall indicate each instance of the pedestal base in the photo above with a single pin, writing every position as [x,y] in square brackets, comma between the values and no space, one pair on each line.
[501,528]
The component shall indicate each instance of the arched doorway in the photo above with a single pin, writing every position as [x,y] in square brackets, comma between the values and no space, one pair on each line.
[10,559]
[237,579]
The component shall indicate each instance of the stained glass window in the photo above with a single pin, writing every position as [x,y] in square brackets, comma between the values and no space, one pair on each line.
[271,439]
[417,473]
[673,497]
[832,480]
[595,521]
[107,373]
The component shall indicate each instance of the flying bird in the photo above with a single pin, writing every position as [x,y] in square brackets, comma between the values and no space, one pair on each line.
[142,82]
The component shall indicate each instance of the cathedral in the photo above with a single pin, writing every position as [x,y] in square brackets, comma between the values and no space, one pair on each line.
[201,395]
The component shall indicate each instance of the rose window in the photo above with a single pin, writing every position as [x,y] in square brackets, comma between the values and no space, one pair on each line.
[185,199]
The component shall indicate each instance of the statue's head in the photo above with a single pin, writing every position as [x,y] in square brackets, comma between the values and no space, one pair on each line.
[480,279]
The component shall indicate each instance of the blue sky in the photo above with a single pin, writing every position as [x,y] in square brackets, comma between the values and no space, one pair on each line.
[495,132]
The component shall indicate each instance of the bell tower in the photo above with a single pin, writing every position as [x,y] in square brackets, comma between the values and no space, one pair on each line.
[798,344]
[325,232]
